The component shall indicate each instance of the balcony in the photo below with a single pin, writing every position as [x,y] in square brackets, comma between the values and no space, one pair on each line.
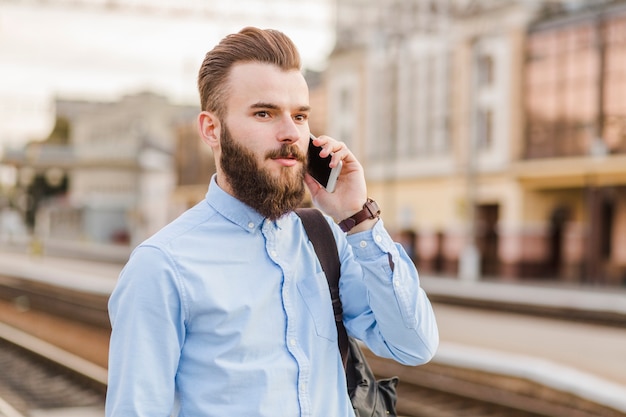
[564,140]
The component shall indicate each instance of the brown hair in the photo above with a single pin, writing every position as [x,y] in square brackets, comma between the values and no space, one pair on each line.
[249,45]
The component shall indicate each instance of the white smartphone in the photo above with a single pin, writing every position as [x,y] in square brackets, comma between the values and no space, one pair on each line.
[320,169]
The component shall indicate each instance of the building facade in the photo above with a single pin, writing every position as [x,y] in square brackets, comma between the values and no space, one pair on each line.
[442,101]
[117,168]
[573,169]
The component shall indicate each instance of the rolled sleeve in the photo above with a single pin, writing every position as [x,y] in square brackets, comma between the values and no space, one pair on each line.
[400,322]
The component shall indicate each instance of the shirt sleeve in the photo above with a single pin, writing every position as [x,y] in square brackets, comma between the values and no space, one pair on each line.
[147,334]
[383,303]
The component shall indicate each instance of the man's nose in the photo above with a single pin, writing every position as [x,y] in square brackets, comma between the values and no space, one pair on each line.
[289,131]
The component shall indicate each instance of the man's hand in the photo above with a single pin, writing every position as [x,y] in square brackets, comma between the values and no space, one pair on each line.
[351,191]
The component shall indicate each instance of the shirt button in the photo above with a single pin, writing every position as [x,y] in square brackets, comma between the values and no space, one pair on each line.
[396,283]
[251,225]
[363,244]
[273,253]
[292,342]
[378,238]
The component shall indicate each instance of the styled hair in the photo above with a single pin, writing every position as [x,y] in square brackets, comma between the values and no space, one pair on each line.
[249,45]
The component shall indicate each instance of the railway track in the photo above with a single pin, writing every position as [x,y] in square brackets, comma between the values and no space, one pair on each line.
[438,390]
[40,376]
[87,308]
[39,379]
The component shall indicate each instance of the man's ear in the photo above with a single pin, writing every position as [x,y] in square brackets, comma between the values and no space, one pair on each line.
[209,128]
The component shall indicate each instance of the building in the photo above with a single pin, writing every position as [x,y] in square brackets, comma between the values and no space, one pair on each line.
[573,166]
[436,99]
[194,165]
[117,169]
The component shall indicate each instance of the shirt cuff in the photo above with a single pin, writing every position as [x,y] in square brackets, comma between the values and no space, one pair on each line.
[372,243]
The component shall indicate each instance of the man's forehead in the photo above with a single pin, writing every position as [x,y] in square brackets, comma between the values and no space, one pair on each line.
[259,83]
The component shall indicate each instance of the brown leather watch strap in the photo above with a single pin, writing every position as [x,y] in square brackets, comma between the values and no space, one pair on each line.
[370,211]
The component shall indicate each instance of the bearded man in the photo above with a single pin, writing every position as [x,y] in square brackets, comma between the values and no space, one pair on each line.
[226,311]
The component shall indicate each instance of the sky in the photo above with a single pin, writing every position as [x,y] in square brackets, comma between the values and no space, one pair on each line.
[103,49]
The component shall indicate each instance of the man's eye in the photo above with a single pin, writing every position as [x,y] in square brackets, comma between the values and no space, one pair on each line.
[300,117]
[262,114]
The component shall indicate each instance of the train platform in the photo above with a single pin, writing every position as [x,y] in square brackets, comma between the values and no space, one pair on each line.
[78,274]
[575,356]
[540,331]
[570,301]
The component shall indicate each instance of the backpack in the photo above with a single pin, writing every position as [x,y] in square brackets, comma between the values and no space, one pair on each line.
[369,397]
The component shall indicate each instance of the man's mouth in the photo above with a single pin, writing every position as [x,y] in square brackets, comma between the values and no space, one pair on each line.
[286,160]
[287,156]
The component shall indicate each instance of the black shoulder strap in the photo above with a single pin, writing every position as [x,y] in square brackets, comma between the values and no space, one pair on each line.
[323,240]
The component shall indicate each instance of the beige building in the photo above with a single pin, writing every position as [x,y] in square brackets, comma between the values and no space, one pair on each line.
[433,97]
[115,173]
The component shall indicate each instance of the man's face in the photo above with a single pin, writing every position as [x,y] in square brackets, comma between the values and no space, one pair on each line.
[264,137]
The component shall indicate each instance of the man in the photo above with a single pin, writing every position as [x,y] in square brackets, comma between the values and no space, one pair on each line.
[226,311]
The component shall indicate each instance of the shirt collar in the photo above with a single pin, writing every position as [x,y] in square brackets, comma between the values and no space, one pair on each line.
[233,209]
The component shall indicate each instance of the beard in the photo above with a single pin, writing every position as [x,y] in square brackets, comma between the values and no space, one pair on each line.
[272,196]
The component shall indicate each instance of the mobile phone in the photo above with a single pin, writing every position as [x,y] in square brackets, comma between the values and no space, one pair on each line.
[320,169]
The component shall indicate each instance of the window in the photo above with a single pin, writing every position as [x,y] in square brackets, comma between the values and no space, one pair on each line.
[423,121]
[484,129]
[485,70]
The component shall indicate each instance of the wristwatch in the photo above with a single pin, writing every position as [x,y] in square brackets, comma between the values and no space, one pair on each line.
[370,211]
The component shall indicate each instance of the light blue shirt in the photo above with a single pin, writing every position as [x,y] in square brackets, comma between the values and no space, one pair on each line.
[225,313]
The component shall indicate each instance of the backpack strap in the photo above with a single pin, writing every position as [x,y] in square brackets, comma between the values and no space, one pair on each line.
[323,240]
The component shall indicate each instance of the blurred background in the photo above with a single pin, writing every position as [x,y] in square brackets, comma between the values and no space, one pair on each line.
[98,103]
[492,132]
